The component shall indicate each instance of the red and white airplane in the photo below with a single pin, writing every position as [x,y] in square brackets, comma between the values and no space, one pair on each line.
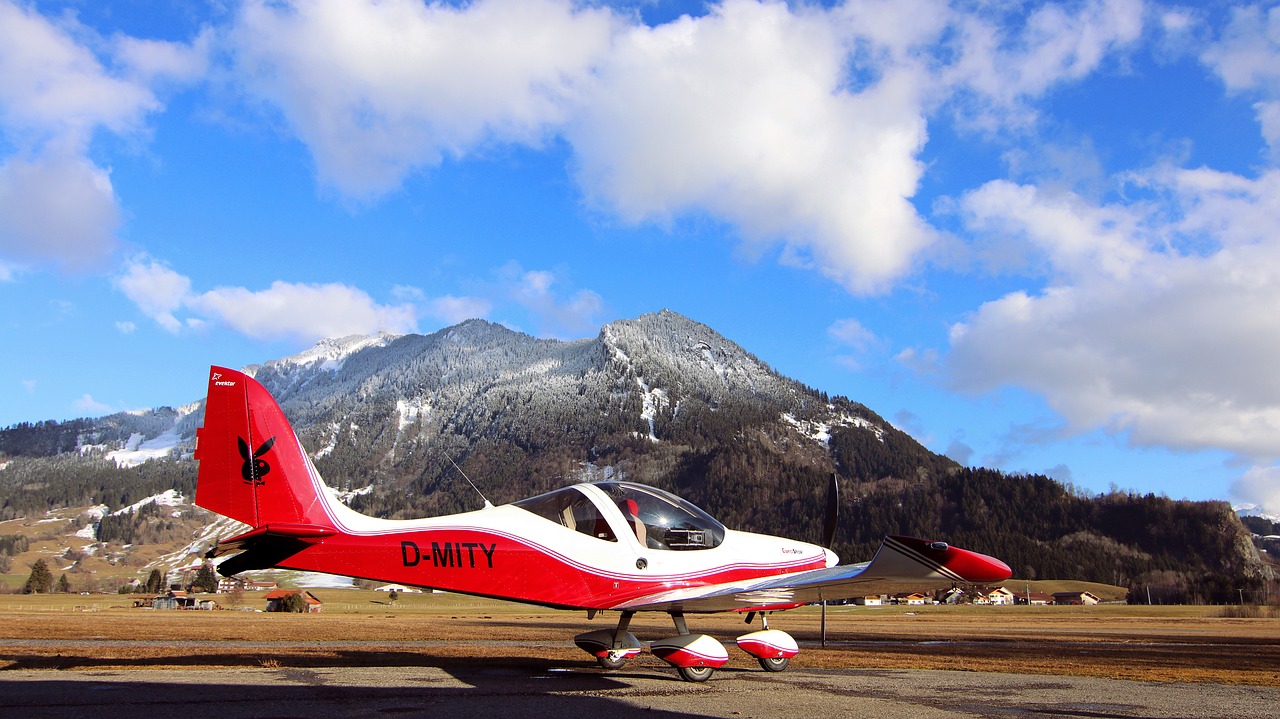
[601,546]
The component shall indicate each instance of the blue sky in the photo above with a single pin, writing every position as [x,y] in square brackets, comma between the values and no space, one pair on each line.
[1043,237]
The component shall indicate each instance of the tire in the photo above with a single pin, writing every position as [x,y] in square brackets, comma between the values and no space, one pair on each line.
[609,662]
[695,674]
[775,664]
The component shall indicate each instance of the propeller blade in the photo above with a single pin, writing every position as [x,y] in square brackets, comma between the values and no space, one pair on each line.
[833,512]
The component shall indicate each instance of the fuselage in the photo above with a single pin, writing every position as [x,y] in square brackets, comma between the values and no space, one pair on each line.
[587,554]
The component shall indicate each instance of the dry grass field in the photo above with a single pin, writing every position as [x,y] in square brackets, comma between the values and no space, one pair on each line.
[1167,644]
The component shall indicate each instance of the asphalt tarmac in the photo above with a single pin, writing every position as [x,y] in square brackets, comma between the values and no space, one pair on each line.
[464,692]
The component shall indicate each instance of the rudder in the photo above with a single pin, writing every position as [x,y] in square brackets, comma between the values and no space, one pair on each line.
[252,467]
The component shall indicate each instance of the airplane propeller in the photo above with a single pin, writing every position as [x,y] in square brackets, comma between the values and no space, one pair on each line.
[833,512]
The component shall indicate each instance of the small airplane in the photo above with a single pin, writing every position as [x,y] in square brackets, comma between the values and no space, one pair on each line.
[599,546]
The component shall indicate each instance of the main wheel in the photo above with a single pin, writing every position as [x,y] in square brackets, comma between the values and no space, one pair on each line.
[608,661]
[775,664]
[695,674]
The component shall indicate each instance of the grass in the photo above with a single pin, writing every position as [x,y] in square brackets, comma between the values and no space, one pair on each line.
[361,628]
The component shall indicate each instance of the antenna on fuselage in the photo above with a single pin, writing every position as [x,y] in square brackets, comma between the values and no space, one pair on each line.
[487,503]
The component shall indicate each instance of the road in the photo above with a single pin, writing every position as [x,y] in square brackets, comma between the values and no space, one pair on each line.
[652,691]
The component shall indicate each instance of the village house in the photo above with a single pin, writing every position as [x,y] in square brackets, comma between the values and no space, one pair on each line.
[871,600]
[1075,598]
[176,599]
[276,599]
[912,599]
[398,589]
[226,585]
[1001,597]
[1035,599]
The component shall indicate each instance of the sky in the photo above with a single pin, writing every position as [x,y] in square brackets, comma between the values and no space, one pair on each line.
[1039,237]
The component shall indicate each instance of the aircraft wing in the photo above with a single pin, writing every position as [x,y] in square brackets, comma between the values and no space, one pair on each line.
[899,561]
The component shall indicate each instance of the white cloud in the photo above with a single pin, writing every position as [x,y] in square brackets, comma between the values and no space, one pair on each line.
[302,311]
[1247,58]
[452,310]
[89,406]
[150,60]
[56,205]
[852,332]
[53,89]
[743,114]
[1259,486]
[556,316]
[378,90]
[58,209]
[1007,58]
[305,312]
[156,289]
[126,327]
[1159,319]
[29,385]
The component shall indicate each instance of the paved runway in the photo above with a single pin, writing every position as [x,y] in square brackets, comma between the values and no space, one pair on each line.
[642,691]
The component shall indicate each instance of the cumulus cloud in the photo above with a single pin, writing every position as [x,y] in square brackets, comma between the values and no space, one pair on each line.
[452,310]
[798,127]
[302,311]
[555,314]
[378,90]
[1247,59]
[56,205]
[156,289]
[90,406]
[305,312]
[744,114]
[57,209]
[1159,319]
[1259,486]
[1003,59]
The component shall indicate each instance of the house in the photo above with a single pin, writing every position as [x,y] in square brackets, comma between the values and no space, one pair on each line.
[871,600]
[177,599]
[1075,598]
[276,600]
[227,585]
[1001,597]
[954,595]
[398,589]
[1035,599]
[911,599]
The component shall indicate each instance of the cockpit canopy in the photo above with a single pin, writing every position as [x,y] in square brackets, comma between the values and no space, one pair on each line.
[658,519]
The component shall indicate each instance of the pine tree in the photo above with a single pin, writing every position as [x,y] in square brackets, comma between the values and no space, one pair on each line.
[40,581]
[205,580]
[155,582]
[64,587]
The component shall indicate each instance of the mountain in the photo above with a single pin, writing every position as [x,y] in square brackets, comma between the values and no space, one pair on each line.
[659,399]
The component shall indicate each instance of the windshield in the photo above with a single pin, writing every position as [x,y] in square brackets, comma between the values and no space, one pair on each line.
[570,508]
[662,520]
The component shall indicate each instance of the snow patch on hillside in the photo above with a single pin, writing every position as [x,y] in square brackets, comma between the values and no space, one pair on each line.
[412,410]
[331,354]
[167,498]
[821,431]
[655,399]
[346,496]
[1254,510]
[138,450]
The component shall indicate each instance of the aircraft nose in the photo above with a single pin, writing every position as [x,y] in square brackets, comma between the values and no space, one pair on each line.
[832,559]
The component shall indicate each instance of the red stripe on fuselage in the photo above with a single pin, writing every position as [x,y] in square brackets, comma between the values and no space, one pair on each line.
[476,561]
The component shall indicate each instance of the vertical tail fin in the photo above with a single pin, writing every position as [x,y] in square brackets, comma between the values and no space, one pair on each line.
[252,467]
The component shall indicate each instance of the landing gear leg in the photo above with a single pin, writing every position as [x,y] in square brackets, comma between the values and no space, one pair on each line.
[695,656]
[618,656]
